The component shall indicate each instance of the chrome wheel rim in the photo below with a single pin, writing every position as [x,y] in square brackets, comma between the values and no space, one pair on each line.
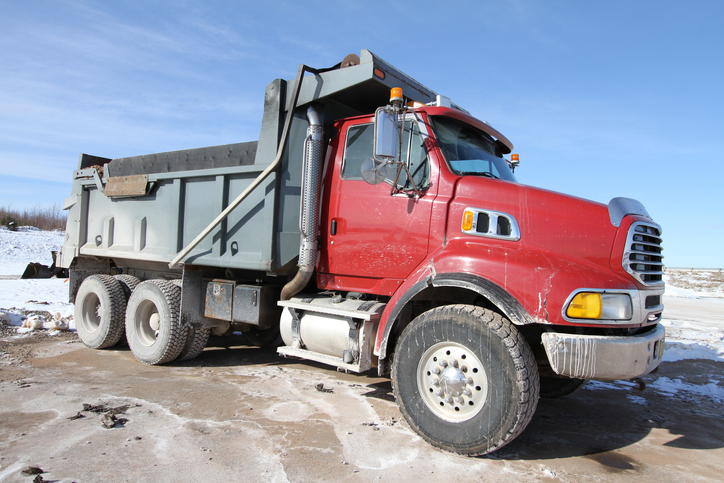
[452,381]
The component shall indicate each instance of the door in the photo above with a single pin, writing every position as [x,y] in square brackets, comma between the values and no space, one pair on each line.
[373,236]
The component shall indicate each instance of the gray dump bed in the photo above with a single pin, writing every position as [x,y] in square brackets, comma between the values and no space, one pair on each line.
[147,208]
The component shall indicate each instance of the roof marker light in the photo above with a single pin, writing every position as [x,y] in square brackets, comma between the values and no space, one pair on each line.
[396,94]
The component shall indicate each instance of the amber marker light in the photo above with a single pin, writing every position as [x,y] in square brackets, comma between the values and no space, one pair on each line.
[468,218]
[396,94]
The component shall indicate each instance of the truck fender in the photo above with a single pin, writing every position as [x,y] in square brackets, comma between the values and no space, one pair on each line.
[498,296]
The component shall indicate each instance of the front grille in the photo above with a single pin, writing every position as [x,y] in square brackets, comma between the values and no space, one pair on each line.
[642,257]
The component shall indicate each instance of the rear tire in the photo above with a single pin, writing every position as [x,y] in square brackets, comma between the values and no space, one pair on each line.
[100,306]
[153,329]
[270,337]
[196,342]
[128,282]
[465,379]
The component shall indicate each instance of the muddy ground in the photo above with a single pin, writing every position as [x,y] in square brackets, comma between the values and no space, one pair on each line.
[238,413]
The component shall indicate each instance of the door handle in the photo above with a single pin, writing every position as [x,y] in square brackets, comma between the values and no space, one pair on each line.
[333,230]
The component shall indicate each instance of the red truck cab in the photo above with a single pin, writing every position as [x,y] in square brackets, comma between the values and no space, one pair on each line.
[580,281]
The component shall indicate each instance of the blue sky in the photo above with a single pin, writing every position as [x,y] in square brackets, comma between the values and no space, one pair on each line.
[601,99]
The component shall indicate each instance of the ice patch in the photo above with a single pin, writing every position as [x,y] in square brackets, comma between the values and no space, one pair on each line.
[609,385]
[637,399]
[672,387]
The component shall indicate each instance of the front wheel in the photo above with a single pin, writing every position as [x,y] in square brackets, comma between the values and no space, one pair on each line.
[465,379]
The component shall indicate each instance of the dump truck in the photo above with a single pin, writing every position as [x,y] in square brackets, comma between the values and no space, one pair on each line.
[373,224]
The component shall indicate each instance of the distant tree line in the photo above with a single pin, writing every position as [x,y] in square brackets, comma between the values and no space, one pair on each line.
[44,218]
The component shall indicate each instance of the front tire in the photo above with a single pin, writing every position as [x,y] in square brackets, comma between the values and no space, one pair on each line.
[465,379]
[100,305]
[153,328]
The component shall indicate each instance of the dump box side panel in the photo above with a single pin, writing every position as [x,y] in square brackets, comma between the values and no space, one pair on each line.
[178,206]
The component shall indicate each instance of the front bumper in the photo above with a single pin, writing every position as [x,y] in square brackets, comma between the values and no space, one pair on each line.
[604,357]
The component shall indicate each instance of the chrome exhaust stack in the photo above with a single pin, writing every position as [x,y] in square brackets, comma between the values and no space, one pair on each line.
[309,206]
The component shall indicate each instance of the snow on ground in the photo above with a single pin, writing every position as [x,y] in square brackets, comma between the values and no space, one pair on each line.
[665,386]
[20,298]
[691,340]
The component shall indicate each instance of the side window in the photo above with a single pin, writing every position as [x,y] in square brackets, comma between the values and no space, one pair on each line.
[415,154]
[359,147]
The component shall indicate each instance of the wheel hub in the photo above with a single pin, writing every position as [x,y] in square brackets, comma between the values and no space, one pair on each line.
[155,322]
[452,381]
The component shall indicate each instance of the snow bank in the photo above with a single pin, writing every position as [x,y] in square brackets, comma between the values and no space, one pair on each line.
[689,340]
[28,244]
[692,283]
[18,298]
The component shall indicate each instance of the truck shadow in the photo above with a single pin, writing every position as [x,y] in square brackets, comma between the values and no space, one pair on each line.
[600,420]
[234,351]
[597,422]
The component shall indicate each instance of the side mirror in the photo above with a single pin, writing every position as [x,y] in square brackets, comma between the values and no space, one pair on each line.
[387,136]
[373,171]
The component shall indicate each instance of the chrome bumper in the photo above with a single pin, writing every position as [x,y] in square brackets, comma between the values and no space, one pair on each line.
[604,357]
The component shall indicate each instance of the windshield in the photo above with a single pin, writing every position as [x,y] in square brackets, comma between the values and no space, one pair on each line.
[470,151]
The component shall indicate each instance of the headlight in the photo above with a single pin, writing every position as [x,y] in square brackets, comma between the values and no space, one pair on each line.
[599,305]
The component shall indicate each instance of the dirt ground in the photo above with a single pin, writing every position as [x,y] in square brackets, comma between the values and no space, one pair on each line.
[238,413]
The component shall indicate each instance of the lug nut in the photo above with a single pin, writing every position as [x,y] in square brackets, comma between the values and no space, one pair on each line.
[448,400]
[439,393]
[454,363]
[459,400]
[464,368]
[443,363]
[436,382]
[436,370]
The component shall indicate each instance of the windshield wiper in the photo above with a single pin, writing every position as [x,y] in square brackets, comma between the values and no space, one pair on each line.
[478,173]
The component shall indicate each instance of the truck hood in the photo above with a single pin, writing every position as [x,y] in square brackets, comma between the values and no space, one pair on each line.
[557,229]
